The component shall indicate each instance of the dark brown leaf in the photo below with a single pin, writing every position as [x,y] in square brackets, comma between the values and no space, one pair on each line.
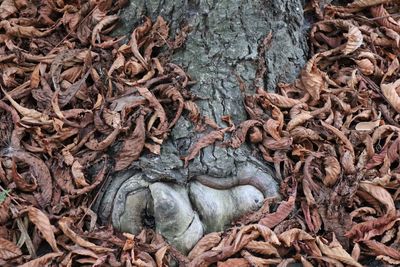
[40,172]
[132,146]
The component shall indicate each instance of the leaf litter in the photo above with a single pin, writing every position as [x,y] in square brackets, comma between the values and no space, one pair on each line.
[70,92]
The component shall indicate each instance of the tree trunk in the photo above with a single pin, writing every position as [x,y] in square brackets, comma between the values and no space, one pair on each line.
[158,191]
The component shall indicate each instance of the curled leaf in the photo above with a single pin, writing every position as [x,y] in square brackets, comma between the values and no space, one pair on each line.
[65,224]
[40,171]
[42,223]
[205,243]
[332,170]
[390,92]
[132,146]
[43,260]
[354,40]
[8,249]
[335,251]
[203,142]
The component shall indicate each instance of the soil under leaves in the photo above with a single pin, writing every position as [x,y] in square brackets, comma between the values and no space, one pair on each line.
[72,95]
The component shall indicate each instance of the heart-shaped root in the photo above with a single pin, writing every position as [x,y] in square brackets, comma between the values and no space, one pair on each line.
[184,213]
[174,216]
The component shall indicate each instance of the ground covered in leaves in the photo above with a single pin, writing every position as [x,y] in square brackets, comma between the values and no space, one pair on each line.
[72,95]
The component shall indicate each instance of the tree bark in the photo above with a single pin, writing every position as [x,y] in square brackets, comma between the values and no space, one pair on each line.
[222,44]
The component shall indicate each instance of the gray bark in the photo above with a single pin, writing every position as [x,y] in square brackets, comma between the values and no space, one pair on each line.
[224,41]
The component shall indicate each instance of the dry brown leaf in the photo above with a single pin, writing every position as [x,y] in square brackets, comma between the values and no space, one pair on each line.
[106,21]
[273,128]
[43,260]
[354,40]
[4,212]
[257,261]
[355,253]
[8,249]
[367,126]
[332,171]
[261,247]
[284,209]
[366,66]
[384,18]
[381,249]
[93,144]
[42,223]
[118,63]
[132,146]
[341,136]
[205,243]
[362,211]
[301,133]
[30,113]
[295,234]
[381,194]
[40,172]
[65,223]
[298,120]
[281,101]
[283,143]
[390,92]
[20,181]
[239,135]
[35,76]
[203,142]
[7,8]
[313,78]
[78,175]
[161,256]
[367,3]
[335,251]
[237,262]
[22,31]
[388,260]
[374,227]
[65,97]
[159,110]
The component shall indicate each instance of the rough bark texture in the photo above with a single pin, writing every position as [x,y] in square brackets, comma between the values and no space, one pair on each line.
[158,191]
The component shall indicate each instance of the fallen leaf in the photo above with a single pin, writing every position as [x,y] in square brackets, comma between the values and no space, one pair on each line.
[43,260]
[106,21]
[65,224]
[354,40]
[381,194]
[8,249]
[283,210]
[239,135]
[335,251]
[38,218]
[367,126]
[160,256]
[381,249]
[261,247]
[313,78]
[20,181]
[237,262]
[203,142]
[390,92]
[40,172]
[374,227]
[132,146]
[332,170]
[204,244]
[295,234]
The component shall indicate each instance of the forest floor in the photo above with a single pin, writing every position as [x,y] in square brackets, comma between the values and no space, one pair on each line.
[69,91]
